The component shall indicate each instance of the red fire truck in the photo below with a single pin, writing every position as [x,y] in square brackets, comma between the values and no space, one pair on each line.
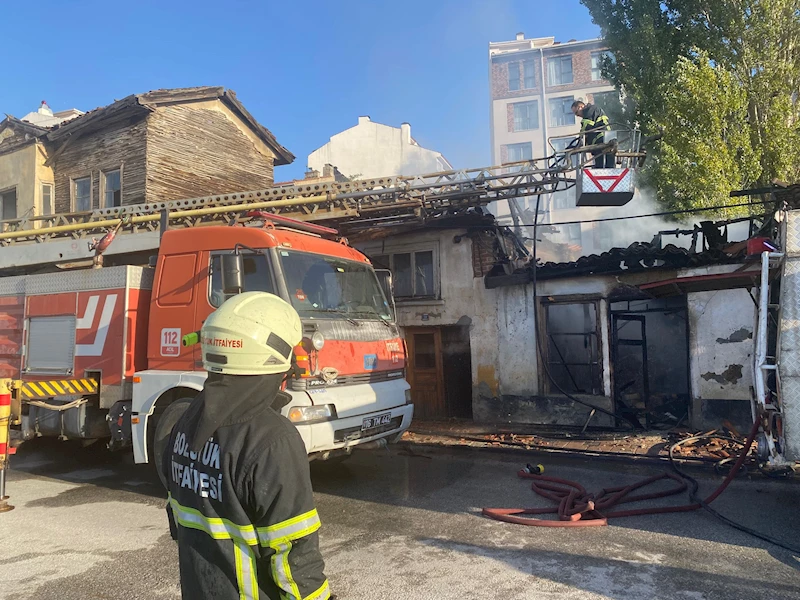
[97,353]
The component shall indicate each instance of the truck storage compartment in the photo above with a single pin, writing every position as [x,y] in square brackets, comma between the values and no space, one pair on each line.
[61,332]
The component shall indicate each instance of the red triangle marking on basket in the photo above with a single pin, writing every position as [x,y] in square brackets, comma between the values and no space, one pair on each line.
[614,179]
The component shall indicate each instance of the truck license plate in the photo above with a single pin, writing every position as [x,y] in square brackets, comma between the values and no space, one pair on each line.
[376,421]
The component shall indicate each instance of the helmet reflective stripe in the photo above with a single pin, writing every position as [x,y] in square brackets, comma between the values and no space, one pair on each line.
[251,334]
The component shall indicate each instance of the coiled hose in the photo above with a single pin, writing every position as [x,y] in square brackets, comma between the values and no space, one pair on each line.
[575,507]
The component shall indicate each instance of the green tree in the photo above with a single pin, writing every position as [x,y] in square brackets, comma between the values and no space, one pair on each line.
[701,69]
[706,147]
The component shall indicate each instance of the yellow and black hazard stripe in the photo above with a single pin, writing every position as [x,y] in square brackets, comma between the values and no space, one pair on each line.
[58,387]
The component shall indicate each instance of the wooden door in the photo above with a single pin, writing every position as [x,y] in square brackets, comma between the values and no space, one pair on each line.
[425,372]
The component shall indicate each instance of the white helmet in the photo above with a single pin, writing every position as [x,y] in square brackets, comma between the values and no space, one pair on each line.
[252,333]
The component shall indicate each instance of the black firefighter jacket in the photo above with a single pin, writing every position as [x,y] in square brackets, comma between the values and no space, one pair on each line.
[593,122]
[240,500]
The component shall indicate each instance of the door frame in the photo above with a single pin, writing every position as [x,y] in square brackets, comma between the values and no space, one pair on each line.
[437,339]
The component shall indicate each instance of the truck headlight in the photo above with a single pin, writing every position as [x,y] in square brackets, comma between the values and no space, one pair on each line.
[318,340]
[408,396]
[312,414]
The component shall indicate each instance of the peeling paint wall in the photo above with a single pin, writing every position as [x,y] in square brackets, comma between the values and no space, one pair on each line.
[502,332]
[721,349]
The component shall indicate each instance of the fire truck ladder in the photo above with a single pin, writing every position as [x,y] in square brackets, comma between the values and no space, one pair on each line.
[766,406]
[348,204]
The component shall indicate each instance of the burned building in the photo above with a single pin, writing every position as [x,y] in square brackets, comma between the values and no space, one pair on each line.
[659,336]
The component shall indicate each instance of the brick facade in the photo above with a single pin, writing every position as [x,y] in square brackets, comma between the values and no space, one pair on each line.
[500,76]
[581,72]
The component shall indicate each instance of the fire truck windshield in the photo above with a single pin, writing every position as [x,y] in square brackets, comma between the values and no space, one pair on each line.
[327,287]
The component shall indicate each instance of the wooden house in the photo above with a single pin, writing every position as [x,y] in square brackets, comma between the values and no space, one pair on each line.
[158,146]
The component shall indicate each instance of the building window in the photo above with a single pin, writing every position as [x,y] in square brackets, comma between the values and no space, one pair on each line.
[561,111]
[415,273]
[82,194]
[603,237]
[8,204]
[47,199]
[559,70]
[526,115]
[513,76]
[573,348]
[574,234]
[610,103]
[112,188]
[597,63]
[529,81]
[563,200]
[517,152]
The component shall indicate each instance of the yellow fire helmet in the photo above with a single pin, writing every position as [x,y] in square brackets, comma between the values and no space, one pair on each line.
[252,333]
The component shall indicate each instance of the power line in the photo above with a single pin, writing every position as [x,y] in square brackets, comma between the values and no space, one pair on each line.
[658,214]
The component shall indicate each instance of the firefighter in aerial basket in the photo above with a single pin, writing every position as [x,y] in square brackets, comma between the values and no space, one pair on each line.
[240,500]
[594,124]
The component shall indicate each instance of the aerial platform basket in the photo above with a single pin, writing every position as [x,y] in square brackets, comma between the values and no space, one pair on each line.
[609,186]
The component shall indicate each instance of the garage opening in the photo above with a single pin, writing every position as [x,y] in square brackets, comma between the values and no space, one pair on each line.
[650,360]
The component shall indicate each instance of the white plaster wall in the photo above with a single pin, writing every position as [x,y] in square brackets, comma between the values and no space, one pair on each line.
[462,296]
[376,150]
[716,321]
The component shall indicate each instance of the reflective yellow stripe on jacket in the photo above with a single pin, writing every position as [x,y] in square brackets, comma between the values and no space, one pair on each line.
[587,124]
[242,536]
[278,537]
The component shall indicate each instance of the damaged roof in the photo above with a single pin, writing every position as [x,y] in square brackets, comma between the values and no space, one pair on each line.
[637,257]
[142,104]
[24,134]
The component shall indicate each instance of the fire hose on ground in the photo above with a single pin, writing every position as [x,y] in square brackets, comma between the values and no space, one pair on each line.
[575,507]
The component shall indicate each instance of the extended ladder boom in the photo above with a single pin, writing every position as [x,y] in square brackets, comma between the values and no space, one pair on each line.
[67,237]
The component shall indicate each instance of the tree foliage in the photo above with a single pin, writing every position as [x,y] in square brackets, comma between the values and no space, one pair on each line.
[721,77]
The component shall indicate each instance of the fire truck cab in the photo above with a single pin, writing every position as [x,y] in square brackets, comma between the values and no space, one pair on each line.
[353,388]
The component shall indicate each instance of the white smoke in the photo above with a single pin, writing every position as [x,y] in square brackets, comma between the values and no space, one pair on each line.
[601,236]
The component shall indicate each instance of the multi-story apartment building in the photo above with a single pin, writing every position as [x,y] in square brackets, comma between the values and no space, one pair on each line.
[533,83]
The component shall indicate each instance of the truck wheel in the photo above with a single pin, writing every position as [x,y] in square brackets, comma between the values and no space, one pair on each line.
[166,421]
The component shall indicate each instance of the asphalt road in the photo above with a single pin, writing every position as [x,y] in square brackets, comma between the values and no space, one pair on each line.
[89,525]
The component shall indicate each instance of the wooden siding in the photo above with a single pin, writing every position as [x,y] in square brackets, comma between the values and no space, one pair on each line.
[122,145]
[194,151]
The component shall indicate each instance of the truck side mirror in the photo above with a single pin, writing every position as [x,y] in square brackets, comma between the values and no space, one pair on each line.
[385,279]
[232,273]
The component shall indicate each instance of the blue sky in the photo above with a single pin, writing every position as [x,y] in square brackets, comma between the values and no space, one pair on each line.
[306,70]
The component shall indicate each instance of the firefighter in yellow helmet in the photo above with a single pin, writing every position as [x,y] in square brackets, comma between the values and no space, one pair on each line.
[240,499]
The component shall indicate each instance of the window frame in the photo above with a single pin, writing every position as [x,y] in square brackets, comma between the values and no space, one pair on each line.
[391,251]
[9,190]
[51,186]
[566,102]
[517,81]
[560,60]
[103,174]
[528,65]
[595,58]
[518,145]
[73,189]
[597,373]
[563,200]
[517,122]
